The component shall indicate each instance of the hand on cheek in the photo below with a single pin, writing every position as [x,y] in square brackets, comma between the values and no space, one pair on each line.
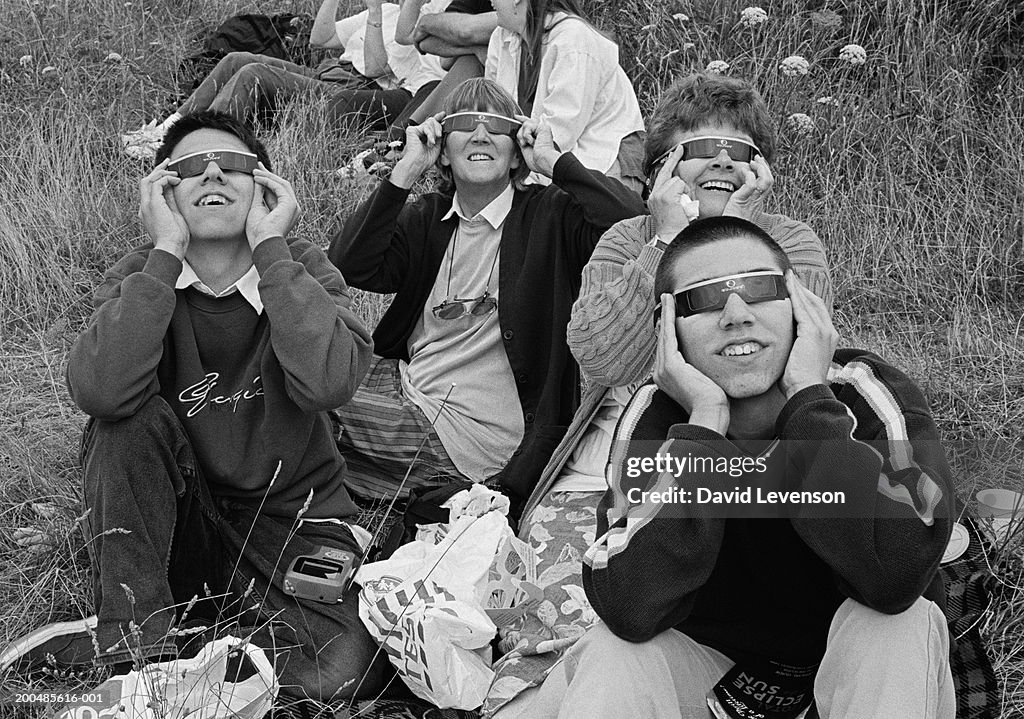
[703,400]
[815,341]
[159,211]
[274,209]
[748,201]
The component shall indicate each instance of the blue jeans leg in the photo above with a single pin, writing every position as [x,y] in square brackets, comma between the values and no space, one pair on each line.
[158,538]
[151,530]
[211,93]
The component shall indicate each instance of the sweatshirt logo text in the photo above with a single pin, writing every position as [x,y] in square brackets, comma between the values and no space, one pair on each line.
[196,397]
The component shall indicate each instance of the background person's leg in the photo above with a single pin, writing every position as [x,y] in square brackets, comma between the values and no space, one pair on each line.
[257,91]
[397,129]
[371,109]
[886,665]
[465,67]
[203,96]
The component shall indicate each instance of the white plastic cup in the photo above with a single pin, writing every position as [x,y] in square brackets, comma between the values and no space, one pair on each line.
[1003,509]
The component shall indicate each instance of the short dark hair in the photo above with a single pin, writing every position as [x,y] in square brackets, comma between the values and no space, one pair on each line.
[701,99]
[478,94]
[706,232]
[210,120]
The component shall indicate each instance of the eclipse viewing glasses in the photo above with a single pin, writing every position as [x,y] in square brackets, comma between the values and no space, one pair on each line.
[468,121]
[227,160]
[711,295]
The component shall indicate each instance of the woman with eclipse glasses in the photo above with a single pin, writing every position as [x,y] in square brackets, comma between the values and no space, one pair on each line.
[707,154]
[474,379]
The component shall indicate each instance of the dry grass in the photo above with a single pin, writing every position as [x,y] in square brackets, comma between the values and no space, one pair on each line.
[914,181]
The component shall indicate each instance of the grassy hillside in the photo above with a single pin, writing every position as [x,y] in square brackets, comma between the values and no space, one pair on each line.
[905,155]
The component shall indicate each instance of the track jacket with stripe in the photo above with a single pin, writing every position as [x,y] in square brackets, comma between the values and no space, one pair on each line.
[758,588]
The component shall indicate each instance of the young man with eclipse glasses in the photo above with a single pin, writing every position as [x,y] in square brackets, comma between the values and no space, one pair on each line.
[729,576]
[473,362]
[208,368]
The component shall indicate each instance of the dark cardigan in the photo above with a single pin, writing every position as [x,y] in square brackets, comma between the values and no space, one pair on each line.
[390,246]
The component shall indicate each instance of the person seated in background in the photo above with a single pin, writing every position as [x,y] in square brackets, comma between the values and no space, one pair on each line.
[737,603]
[370,83]
[566,73]
[615,346]
[459,37]
[474,380]
[207,369]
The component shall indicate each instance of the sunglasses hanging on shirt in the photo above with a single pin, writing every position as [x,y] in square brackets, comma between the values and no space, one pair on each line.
[477,306]
[480,306]
[227,160]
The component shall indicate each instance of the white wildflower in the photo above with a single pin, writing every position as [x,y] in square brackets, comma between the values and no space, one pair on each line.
[800,124]
[751,17]
[113,57]
[828,20]
[828,100]
[853,54]
[717,67]
[794,65]
[129,593]
[681,17]
[49,70]
[25,60]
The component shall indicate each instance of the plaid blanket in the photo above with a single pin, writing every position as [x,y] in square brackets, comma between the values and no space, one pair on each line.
[968,584]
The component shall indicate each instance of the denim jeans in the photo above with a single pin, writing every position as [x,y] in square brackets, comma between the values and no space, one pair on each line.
[245,85]
[160,542]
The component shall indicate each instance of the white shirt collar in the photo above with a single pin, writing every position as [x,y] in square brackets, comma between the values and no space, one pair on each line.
[495,212]
[247,285]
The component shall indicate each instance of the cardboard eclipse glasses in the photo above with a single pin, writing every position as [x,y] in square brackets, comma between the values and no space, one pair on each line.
[710,146]
[227,160]
[468,121]
[752,287]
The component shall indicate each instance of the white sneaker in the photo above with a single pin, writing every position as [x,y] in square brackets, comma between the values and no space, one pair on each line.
[143,143]
[68,643]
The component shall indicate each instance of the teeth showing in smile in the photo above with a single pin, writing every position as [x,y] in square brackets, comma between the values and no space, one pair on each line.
[747,348]
[718,185]
[212,200]
[476,156]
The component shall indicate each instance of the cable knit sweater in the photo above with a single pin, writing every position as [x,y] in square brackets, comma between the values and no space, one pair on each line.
[610,332]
